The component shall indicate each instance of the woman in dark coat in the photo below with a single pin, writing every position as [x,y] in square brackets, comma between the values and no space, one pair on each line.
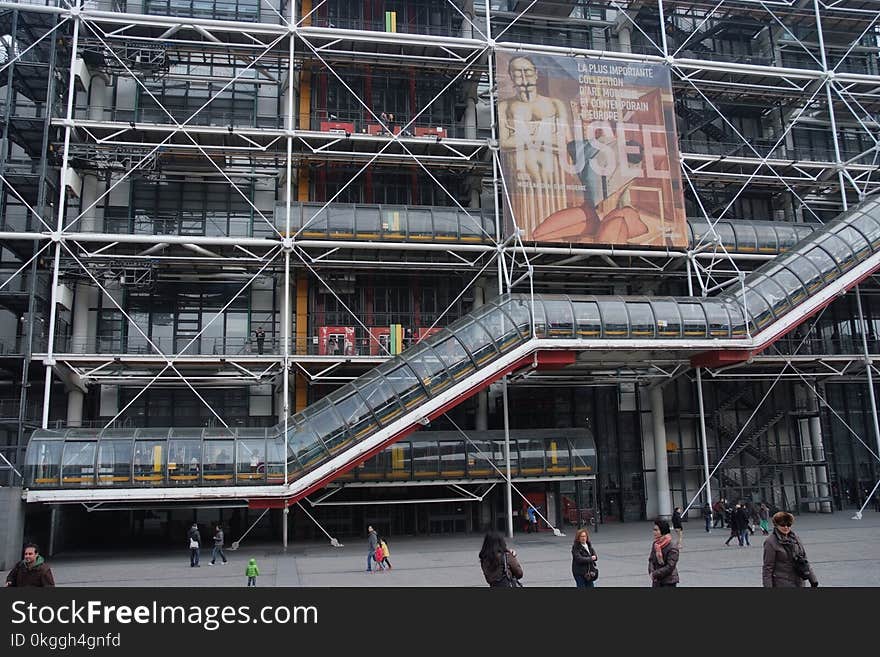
[583,560]
[492,557]
[663,560]
[782,548]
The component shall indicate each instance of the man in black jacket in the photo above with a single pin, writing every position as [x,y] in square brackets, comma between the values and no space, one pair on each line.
[31,571]
[195,545]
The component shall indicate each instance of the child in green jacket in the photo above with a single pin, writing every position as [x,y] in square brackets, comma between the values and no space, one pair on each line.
[252,571]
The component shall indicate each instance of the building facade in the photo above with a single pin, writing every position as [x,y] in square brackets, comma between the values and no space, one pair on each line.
[214,213]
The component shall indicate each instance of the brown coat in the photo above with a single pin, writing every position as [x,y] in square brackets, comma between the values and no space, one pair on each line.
[39,575]
[494,573]
[666,573]
[778,570]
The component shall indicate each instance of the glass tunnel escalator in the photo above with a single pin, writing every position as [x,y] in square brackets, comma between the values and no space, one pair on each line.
[363,417]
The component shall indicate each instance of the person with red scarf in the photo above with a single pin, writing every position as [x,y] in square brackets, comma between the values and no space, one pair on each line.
[663,560]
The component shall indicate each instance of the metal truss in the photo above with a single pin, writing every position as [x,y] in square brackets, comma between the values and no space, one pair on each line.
[146,50]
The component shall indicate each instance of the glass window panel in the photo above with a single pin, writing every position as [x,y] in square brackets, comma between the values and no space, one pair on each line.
[470,226]
[824,263]
[218,465]
[560,319]
[772,293]
[737,319]
[368,223]
[719,322]
[445,223]
[790,283]
[426,362]
[693,320]
[454,355]
[378,393]
[419,224]
[757,309]
[340,220]
[614,318]
[479,456]
[426,459]
[404,382]
[43,462]
[531,457]
[641,319]
[667,318]
[304,443]
[356,413]
[587,318]
[250,460]
[184,460]
[275,457]
[477,341]
[400,463]
[859,243]
[767,240]
[787,235]
[327,425]
[807,272]
[746,240]
[452,458]
[78,464]
[583,455]
[148,466]
[839,250]
[500,326]
[557,459]
[726,234]
[518,311]
[316,221]
[540,318]
[869,227]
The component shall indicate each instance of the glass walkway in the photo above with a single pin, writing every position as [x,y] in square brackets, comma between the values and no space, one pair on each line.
[363,417]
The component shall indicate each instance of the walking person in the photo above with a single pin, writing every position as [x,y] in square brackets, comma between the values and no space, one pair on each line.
[252,571]
[676,525]
[218,546]
[195,545]
[785,560]
[386,553]
[764,518]
[32,570]
[499,564]
[742,524]
[372,544]
[734,528]
[583,561]
[707,516]
[663,560]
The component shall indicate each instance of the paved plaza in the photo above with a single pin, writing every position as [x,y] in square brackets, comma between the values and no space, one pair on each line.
[844,552]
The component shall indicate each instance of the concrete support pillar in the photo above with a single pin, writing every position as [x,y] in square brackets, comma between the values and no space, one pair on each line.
[470,116]
[624,34]
[11,526]
[817,445]
[661,463]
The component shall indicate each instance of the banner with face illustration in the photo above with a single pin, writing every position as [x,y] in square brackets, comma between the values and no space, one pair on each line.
[589,151]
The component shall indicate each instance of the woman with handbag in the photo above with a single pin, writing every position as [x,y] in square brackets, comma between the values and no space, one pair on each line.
[663,559]
[785,560]
[499,564]
[583,560]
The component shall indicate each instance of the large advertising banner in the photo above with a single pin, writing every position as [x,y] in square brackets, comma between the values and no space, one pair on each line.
[589,150]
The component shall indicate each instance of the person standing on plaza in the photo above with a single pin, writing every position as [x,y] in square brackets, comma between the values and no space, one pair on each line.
[499,564]
[785,560]
[583,560]
[764,518]
[718,511]
[252,571]
[663,559]
[32,570]
[218,546]
[372,544]
[676,525]
[533,519]
[707,516]
[195,545]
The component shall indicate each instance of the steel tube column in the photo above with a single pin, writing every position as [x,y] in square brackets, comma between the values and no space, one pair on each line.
[661,462]
[62,200]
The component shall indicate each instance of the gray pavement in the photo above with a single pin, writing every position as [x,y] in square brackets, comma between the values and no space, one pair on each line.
[844,552]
